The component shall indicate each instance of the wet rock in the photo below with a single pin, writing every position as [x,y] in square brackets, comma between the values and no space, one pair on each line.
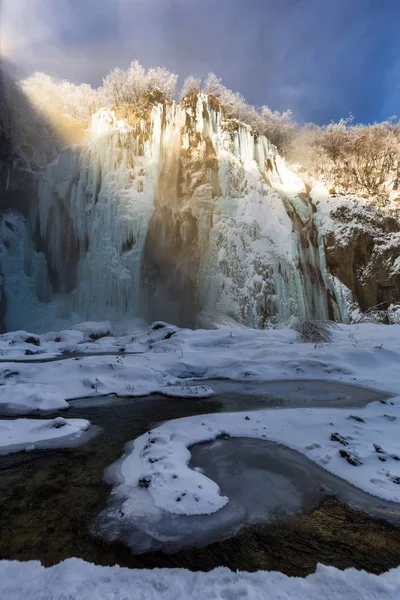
[7,374]
[169,335]
[356,418]
[351,459]
[98,335]
[59,422]
[144,482]
[32,340]
[379,449]
[336,437]
[222,435]
[158,325]
[390,417]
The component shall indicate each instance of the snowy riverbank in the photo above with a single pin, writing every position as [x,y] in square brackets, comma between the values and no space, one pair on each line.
[79,580]
[358,444]
[162,358]
[39,434]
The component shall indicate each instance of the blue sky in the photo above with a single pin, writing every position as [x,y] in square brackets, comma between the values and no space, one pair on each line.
[320,58]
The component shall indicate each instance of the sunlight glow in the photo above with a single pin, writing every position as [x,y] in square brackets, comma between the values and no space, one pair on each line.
[6,48]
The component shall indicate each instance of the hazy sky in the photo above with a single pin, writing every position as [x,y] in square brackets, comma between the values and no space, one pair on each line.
[321,58]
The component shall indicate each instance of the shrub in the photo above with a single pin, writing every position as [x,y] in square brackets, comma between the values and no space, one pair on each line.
[315,332]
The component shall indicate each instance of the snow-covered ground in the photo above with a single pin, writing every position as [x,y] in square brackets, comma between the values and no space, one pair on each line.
[164,356]
[77,580]
[32,434]
[360,445]
[179,362]
[363,448]
[26,398]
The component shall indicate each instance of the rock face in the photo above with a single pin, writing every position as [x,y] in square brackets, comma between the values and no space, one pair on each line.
[181,213]
[365,256]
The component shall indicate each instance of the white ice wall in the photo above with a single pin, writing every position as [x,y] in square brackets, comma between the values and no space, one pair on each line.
[252,262]
[26,289]
[105,191]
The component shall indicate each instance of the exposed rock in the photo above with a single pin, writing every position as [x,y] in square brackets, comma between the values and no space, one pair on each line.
[337,437]
[32,339]
[356,418]
[379,449]
[351,458]
[364,256]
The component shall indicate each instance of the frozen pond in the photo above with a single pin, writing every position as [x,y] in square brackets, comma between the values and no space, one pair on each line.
[292,394]
[50,501]
[264,481]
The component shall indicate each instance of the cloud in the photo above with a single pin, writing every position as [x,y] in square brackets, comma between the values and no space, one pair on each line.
[29,25]
[322,58]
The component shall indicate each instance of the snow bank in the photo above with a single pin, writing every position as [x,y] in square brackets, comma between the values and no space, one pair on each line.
[89,337]
[79,580]
[362,448]
[32,434]
[169,360]
[87,377]
[26,398]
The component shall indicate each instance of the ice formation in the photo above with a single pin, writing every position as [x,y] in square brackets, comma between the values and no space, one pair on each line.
[179,214]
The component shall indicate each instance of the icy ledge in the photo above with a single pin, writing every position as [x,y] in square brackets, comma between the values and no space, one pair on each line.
[35,434]
[25,398]
[362,447]
[79,580]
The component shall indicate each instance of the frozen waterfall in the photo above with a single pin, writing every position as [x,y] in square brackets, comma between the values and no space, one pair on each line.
[179,214]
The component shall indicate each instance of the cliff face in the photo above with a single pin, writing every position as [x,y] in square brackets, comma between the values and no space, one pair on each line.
[362,246]
[185,216]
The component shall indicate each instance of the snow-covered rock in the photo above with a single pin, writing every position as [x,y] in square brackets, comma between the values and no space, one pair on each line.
[93,330]
[362,448]
[168,359]
[32,434]
[26,398]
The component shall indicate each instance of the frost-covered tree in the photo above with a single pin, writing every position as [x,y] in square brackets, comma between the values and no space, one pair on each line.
[135,89]
[76,102]
[355,158]
[278,127]
[191,85]
[232,103]
[125,87]
[80,101]
[40,114]
[160,80]
[335,137]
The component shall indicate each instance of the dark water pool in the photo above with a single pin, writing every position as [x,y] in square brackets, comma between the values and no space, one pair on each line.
[49,500]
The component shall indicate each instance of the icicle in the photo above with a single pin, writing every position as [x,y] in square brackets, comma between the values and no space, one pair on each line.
[96,202]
